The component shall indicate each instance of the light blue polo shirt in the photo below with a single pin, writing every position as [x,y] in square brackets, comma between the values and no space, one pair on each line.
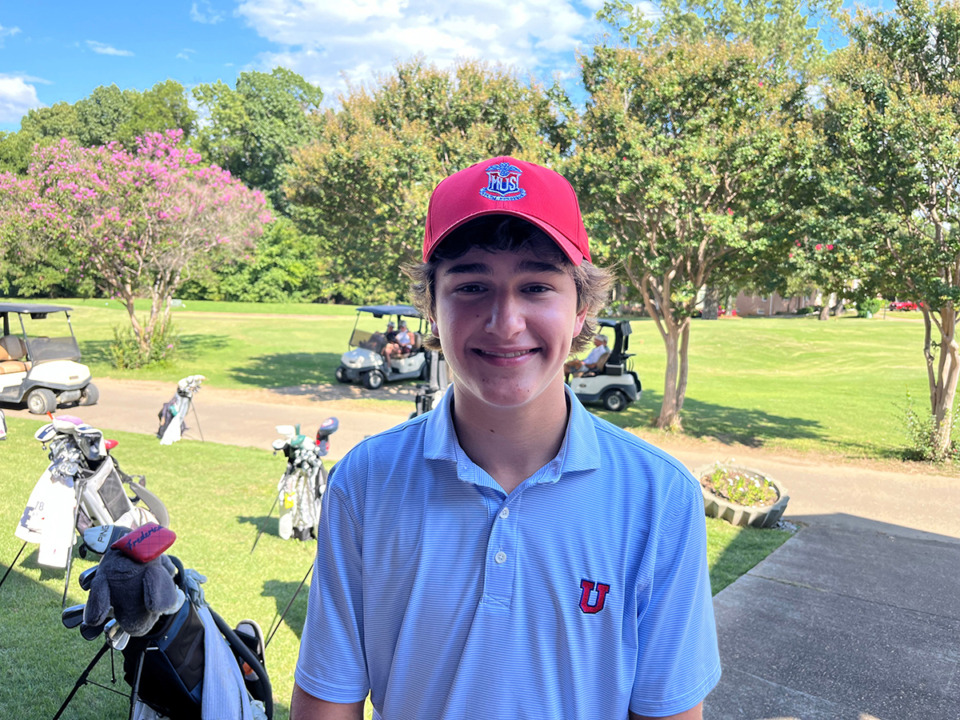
[582,593]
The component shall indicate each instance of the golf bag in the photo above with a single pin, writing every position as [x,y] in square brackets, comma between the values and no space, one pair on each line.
[190,665]
[304,481]
[82,487]
[430,392]
[173,414]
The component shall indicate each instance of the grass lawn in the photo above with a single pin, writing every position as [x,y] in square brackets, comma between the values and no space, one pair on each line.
[217,496]
[835,388]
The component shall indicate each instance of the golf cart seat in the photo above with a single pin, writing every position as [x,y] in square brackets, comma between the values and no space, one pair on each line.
[12,350]
[601,365]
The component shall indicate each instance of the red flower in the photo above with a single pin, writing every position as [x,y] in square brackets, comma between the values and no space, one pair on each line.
[829,247]
[729,211]
[818,246]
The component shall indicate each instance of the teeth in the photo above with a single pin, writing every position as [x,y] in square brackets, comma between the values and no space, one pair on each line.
[506,355]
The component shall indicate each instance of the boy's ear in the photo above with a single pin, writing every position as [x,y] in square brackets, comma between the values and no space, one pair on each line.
[578,322]
[433,328]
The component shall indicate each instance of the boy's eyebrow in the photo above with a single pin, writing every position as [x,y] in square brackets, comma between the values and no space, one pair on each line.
[478,268]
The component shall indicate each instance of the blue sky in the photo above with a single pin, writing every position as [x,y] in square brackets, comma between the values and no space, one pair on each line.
[60,50]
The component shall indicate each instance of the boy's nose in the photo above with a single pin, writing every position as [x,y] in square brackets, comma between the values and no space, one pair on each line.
[506,316]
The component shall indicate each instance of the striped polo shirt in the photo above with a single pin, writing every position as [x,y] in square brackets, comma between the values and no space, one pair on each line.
[582,593]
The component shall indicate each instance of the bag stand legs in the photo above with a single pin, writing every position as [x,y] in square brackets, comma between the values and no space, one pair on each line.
[15,562]
[84,679]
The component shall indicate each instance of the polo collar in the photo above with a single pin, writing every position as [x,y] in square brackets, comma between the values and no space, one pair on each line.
[578,452]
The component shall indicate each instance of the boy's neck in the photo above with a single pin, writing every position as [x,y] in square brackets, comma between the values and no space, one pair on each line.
[511,444]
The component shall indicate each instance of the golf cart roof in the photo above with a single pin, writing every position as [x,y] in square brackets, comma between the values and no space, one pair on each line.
[622,325]
[382,310]
[32,309]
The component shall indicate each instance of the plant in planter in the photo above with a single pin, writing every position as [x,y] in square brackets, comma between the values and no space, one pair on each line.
[741,496]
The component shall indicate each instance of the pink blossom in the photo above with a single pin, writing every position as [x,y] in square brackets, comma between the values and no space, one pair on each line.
[818,246]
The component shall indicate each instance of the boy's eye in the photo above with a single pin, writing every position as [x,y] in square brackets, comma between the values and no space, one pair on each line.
[469,288]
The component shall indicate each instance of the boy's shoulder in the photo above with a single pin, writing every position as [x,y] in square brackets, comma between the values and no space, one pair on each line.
[620,446]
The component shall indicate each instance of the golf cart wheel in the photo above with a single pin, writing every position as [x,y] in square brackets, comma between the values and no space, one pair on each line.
[89,395]
[614,400]
[40,401]
[341,375]
[373,380]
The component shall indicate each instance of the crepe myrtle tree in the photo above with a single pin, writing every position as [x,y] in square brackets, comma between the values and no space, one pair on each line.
[138,222]
[689,163]
[891,174]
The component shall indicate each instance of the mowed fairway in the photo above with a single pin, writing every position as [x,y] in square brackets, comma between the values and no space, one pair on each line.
[838,387]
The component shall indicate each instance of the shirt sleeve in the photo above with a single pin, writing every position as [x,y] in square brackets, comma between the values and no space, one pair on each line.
[332,665]
[678,660]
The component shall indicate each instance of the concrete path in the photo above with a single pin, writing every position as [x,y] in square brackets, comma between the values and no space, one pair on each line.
[857,617]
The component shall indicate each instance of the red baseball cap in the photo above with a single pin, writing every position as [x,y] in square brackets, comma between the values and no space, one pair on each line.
[507,186]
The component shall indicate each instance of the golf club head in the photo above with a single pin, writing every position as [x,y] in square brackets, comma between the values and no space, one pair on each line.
[101,537]
[116,636]
[72,616]
[86,578]
[90,632]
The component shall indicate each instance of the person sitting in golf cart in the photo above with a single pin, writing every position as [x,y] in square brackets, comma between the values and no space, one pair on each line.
[402,344]
[591,362]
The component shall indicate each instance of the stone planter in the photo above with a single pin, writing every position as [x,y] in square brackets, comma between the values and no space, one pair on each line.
[764,516]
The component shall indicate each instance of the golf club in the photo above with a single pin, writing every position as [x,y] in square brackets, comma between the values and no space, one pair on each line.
[72,616]
[86,578]
[116,636]
[90,632]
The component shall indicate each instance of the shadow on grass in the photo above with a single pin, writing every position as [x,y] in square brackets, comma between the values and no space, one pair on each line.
[730,425]
[289,593]
[282,370]
[192,347]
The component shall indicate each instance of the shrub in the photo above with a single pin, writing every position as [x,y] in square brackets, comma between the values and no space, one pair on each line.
[869,306]
[126,353]
[921,429]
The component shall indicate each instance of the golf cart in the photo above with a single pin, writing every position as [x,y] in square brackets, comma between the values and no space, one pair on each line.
[611,384]
[38,369]
[363,362]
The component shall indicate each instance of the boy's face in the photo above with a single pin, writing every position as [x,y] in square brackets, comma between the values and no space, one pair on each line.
[506,321]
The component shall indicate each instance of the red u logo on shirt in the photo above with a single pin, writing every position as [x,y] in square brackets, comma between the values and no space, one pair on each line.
[586,590]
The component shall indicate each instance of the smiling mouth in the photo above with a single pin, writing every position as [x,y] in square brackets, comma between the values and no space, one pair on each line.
[514,354]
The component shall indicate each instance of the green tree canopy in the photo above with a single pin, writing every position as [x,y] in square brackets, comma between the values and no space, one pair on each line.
[690,159]
[251,129]
[363,186]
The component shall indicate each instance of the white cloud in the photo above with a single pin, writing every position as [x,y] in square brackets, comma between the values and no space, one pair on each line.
[6,32]
[102,49]
[207,15]
[185,54]
[331,42]
[17,96]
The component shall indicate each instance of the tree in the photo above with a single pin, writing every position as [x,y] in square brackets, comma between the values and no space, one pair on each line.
[690,161]
[107,115]
[252,129]
[138,222]
[363,186]
[891,178]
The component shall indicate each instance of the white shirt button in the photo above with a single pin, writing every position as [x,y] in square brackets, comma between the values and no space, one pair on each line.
[500,557]
[505,513]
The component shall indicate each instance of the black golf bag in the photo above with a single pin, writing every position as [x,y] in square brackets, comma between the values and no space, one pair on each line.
[167,668]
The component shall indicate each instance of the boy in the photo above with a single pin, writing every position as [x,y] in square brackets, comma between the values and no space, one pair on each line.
[520,558]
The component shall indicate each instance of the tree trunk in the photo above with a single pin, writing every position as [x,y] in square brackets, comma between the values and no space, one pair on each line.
[711,303]
[943,373]
[676,342]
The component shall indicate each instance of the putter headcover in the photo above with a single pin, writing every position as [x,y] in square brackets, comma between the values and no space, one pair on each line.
[139,593]
[145,543]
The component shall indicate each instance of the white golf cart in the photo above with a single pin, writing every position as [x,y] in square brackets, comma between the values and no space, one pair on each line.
[363,362]
[39,364]
[612,384]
